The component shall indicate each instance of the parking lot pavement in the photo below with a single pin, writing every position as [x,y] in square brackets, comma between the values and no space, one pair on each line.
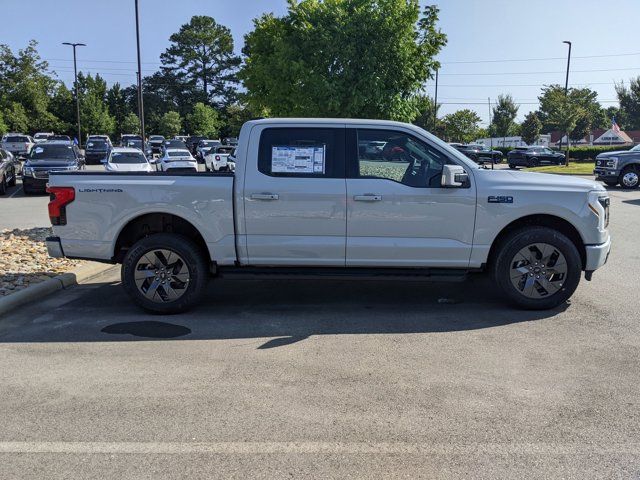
[329,379]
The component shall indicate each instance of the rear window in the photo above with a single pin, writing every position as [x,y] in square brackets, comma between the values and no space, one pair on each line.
[224,150]
[97,144]
[46,152]
[17,138]
[60,137]
[179,154]
[127,158]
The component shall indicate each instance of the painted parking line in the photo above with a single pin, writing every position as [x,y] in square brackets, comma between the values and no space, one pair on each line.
[14,193]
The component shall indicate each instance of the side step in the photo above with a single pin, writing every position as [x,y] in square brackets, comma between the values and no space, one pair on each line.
[330,273]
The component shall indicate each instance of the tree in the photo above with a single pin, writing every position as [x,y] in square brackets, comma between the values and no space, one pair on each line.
[461,126]
[342,58]
[16,118]
[504,115]
[531,127]
[63,106]
[117,105]
[564,117]
[131,123]
[203,121]
[583,100]
[201,54]
[3,126]
[170,124]
[427,112]
[629,99]
[236,115]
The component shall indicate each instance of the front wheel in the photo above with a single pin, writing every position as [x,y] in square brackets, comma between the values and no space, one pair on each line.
[532,162]
[537,268]
[512,166]
[3,186]
[629,178]
[165,273]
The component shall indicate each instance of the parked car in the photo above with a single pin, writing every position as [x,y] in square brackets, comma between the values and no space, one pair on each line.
[217,159]
[96,150]
[299,203]
[203,148]
[124,138]
[10,168]
[619,167]
[42,136]
[533,156]
[177,160]
[233,141]
[122,159]
[140,145]
[479,153]
[175,143]
[19,145]
[48,157]
[371,149]
[106,138]
[156,142]
[192,143]
[60,138]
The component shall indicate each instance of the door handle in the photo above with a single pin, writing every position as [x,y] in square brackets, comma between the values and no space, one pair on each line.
[264,196]
[367,198]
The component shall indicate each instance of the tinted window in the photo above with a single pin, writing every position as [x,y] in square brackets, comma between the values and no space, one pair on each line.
[127,158]
[179,154]
[45,152]
[97,144]
[16,139]
[60,137]
[302,152]
[403,159]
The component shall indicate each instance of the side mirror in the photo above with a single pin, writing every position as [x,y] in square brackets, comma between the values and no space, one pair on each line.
[454,176]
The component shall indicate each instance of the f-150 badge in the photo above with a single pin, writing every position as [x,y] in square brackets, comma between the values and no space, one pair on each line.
[500,199]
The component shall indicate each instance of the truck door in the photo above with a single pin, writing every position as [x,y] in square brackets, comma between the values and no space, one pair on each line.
[398,214]
[295,195]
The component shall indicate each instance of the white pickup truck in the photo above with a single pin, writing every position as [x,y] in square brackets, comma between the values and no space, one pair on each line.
[306,198]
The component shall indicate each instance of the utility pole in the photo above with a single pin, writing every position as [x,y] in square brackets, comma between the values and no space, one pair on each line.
[140,99]
[75,82]
[490,136]
[566,94]
[435,106]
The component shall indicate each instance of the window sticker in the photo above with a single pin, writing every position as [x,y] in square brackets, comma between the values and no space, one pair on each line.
[289,159]
[39,150]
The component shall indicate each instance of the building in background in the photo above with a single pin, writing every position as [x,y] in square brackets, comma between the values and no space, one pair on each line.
[600,137]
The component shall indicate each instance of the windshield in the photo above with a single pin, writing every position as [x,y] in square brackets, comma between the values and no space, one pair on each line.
[155,138]
[60,137]
[48,152]
[127,158]
[179,153]
[135,143]
[97,144]
[42,135]
[17,139]
[209,143]
[635,149]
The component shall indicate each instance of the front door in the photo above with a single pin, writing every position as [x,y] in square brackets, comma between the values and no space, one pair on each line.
[295,197]
[398,214]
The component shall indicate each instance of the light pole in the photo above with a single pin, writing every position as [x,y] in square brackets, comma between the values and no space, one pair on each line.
[566,94]
[140,101]
[75,82]
[435,106]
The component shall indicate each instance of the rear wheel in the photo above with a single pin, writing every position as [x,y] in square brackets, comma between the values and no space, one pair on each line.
[12,182]
[537,268]
[3,185]
[532,162]
[512,166]
[629,178]
[165,273]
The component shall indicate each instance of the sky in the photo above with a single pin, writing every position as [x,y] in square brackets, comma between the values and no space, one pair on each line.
[494,46]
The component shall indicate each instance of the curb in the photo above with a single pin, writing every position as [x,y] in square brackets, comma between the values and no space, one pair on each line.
[60,282]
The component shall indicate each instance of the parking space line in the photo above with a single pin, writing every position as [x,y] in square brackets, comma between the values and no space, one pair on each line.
[14,193]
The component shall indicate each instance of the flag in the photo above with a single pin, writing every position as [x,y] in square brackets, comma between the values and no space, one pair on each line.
[614,126]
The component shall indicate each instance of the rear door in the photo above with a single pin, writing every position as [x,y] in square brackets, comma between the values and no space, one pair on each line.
[398,214]
[295,195]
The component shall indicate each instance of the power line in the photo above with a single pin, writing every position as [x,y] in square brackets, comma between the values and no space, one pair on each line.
[542,73]
[538,59]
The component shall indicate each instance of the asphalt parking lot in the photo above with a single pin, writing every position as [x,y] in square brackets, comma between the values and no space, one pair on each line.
[329,379]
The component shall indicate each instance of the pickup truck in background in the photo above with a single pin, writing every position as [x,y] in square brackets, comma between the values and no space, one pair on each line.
[304,200]
[18,145]
[621,167]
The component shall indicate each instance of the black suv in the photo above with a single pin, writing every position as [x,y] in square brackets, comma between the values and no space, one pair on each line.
[96,150]
[47,157]
[533,156]
[156,142]
[479,153]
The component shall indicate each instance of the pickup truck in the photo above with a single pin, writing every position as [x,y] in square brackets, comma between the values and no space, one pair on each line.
[303,201]
[620,167]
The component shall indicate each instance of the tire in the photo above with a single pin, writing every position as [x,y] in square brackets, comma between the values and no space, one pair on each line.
[186,276]
[629,177]
[537,288]
[532,162]
[512,166]
[12,182]
[610,183]
[3,186]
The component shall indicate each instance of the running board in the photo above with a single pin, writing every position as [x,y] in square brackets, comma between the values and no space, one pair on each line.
[329,273]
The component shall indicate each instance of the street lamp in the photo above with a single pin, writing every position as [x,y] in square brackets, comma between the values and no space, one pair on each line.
[140,101]
[75,82]
[566,92]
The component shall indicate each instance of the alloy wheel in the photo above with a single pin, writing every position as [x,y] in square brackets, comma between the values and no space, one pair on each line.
[630,179]
[538,270]
[162,275]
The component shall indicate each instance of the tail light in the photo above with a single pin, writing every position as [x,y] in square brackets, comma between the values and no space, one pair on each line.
[217,158]
[59,198]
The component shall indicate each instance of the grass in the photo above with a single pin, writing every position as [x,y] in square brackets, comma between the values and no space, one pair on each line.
[572,169]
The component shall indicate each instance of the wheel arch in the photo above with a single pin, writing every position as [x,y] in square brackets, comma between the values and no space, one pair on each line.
[540,220]
[158,222]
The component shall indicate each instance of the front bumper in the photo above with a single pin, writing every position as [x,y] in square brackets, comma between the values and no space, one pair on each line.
[54,247]
[604,174]
[597,256]
[35,183]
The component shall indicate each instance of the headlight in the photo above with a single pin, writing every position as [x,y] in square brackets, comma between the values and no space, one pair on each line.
[27,171]
[599,206]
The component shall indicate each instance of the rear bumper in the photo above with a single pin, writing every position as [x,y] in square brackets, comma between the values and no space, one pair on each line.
[54,247]
[597,256]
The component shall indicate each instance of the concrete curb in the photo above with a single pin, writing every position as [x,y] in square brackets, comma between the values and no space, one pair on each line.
[60,282]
